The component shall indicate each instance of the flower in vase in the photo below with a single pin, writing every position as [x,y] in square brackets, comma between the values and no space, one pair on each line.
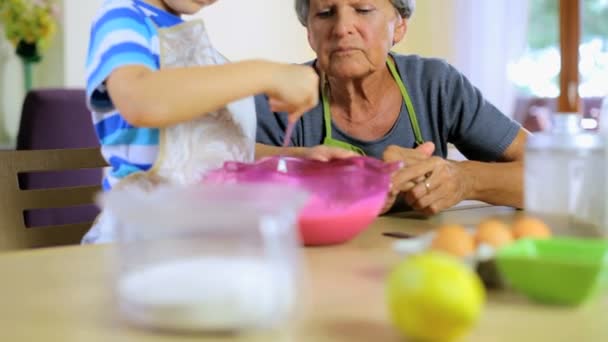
[29,25]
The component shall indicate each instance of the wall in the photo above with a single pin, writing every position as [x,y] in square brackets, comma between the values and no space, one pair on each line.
[257,29]
[281,37]
[78,15]
[238,28]
[430,30]
[62,66]
[11,85]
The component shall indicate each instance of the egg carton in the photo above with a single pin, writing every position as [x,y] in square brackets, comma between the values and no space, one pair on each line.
[482,260]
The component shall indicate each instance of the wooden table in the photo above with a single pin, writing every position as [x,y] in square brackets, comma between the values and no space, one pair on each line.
[63,294]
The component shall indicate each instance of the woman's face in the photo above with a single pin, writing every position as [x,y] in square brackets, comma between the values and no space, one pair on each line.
[352,38]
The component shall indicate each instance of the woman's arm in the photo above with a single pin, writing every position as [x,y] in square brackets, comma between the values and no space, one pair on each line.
[499,183]
[433,184]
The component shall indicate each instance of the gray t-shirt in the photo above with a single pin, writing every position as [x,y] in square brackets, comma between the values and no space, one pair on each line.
[448,107]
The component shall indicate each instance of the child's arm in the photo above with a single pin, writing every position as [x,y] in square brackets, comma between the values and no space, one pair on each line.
[148,98]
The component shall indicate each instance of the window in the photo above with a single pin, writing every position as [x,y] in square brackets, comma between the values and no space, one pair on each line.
[536,73]
[593,65]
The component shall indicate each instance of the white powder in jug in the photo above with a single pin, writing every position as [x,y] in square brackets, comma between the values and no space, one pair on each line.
[207,294]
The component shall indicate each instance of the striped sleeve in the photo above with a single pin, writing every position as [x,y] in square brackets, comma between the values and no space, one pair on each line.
[120,36]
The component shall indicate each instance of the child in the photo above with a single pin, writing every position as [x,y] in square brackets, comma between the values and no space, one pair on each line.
[165,104]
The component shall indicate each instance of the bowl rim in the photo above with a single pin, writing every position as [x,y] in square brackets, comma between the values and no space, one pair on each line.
[508,253]
[349,164]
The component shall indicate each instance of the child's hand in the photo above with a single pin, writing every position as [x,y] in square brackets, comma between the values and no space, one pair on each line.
[294,90]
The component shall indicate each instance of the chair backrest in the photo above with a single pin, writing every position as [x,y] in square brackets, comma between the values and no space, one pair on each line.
[57,119]
[15,201]
[54,119]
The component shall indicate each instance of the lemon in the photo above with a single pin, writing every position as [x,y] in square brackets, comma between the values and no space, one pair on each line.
[434,297]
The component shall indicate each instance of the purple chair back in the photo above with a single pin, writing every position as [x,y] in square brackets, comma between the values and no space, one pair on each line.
[57,119]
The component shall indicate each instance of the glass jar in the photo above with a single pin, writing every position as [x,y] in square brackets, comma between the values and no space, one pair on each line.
[206,258]
[604,117]
[564,181]
[566,123]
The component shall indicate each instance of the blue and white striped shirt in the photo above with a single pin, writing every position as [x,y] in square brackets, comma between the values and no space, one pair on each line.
[124,32]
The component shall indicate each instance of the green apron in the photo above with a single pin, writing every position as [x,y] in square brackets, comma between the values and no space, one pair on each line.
[329,141]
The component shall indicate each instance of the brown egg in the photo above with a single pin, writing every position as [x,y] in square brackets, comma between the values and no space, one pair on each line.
[453,239]
[494,233]
[530,227]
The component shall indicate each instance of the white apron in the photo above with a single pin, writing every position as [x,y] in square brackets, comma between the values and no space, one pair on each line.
[188,150]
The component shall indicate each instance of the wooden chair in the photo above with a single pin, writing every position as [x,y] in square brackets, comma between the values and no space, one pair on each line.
[14,201]
[57,118]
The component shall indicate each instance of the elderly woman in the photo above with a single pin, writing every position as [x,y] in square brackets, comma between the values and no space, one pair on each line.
[398,107]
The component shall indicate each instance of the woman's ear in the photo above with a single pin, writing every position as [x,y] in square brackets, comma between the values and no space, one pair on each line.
[400,30]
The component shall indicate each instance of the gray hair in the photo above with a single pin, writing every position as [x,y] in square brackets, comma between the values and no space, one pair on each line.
[404,7]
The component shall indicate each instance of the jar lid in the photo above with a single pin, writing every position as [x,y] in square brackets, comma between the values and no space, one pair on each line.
[564,141]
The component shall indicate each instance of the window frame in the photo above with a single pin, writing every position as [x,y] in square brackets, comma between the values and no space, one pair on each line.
[570,12]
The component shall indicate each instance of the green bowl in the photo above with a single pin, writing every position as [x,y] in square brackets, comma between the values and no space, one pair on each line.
[564,271]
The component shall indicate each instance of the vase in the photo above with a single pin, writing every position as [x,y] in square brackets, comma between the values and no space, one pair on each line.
[29,54]
[27,75]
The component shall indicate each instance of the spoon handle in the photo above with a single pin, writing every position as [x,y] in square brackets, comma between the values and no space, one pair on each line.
[288,132]
[282,165]
[398,235]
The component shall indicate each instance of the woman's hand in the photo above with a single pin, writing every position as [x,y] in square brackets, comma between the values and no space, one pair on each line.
[294,89]
[326,153]
[408,156]
[429,184]
[445,185]
[319,152]
[391,197]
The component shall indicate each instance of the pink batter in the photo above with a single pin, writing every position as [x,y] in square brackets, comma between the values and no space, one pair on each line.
[331,218]
[320,224]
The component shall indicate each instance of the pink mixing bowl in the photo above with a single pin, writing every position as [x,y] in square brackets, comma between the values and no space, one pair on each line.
[346,195]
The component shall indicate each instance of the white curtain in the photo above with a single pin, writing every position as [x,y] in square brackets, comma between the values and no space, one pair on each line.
[488,36]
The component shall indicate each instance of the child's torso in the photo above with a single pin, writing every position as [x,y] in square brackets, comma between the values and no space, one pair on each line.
[191,148]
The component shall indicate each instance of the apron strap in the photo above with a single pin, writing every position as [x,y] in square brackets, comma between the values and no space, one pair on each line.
[326,109]
[328,140]
[406,98]
[408,102]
